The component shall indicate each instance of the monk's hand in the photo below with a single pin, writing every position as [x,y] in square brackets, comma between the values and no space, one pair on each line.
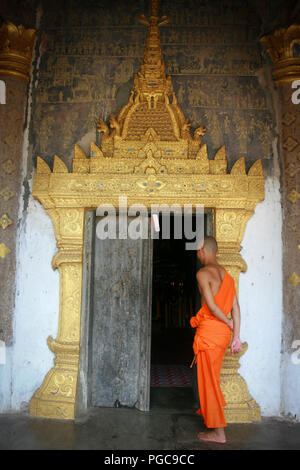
[235,346]
[230,323]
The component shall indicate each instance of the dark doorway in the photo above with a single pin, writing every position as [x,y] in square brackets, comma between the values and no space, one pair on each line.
[175,299]
[173,302]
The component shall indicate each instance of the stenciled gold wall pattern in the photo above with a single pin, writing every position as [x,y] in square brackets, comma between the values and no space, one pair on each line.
[16,47]
[11,124]
[291,161]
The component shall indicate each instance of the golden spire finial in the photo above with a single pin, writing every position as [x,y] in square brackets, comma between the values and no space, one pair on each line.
[152,112]
[151,81]
[154,7]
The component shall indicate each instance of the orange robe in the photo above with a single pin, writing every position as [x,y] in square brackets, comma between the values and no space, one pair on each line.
[212,338]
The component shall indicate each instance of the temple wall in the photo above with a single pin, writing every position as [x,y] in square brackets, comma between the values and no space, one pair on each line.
[85,61]
[36,308]
[260,297]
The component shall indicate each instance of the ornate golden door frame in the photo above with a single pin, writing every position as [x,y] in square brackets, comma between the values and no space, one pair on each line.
[66,196]
[149,155]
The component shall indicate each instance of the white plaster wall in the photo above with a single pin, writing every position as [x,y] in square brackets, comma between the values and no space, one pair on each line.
[5,381]
[36,310]
[290,398]
[260,298]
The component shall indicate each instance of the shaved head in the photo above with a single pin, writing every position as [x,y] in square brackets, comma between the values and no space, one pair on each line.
[210,245]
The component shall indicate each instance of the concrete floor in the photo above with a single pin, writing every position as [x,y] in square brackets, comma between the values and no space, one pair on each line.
[171,424]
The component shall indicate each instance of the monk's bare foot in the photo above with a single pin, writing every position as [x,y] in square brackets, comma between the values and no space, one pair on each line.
[216,435]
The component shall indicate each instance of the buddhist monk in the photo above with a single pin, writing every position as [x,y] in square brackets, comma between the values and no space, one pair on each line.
[215,331]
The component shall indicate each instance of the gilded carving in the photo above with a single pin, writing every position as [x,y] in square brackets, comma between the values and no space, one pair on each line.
[240,407]
[69,330]
[59,166]
[148,154]
[41,166]
[57,394]
[239,167]
[55,399]
[62,384]
[71,221]
[230,224]
[256,169]
[16,46]
[280,46]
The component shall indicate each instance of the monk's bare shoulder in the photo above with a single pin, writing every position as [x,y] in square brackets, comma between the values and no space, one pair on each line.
[211,277]
[216,272]
[203,276]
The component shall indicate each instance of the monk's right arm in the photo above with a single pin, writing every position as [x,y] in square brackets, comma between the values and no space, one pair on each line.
[236,317]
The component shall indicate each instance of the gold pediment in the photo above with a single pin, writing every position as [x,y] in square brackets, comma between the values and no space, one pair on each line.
[95,178]
[148,150]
